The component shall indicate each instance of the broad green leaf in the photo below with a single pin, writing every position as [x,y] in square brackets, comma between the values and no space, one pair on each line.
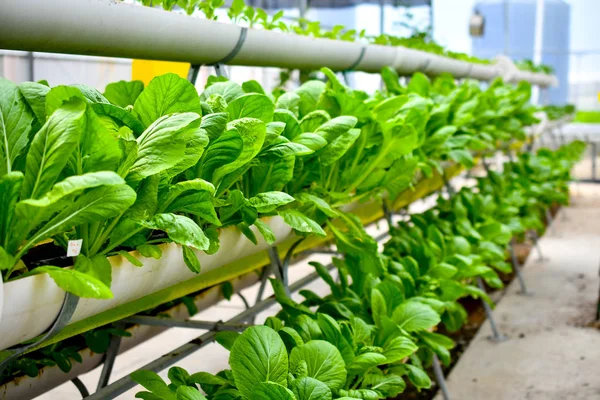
[15,124]
[35,96]
[10,187]
[301,222]
[313,141]
[154,383]
[323,360]
[419,84]
[309,94]
[97,267]
[150,251]
[338,147]
[116,113]
[78,283]
[123,93]
[131,258]
[214,124]
[378,306]
[189,393]
[463,157]
[222,151]
[229,90]
[414,316]
[252,132]
[289,101]
[271,391]
[310,389]
[269,201]
[258,355]
[272,175]
[252,86]
[418,377]
[312,121]
[191,260]
[318,202]
[364,362]
[335,127]
[39,209]
[252,105]
[163,145]
[292,126]
[265,231]
[94,205]
[226,339]
[396,348]
[166,94]
[181,229]
[51,148]
[204,378]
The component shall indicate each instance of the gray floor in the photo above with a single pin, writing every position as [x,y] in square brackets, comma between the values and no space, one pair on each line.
[553,352]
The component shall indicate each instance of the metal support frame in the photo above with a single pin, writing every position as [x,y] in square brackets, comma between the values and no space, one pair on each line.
[64,316]
[497,336]
[81,387]
[109,358]
[186,323]
[517,269]
[439,377]
[536,239]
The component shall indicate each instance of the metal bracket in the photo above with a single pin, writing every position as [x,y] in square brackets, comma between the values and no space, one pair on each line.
[64,316]
[109,358]
[517,269]
[185,323]
[496,335]
[439,377]
[220,65]
[193,73]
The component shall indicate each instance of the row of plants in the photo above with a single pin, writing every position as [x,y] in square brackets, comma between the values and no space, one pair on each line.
[253,17]
[134,167]
[557,112]
[375,331]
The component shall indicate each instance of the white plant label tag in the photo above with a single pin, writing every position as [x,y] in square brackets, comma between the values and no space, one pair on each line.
[74,247]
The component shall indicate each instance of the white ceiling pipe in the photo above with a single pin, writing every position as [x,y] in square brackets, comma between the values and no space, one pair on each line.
[114,29]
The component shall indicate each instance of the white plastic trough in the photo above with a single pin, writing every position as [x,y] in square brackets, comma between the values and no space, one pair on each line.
[32,304]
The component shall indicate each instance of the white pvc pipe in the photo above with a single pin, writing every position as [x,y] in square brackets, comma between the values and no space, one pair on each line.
[114,29]
[33,303]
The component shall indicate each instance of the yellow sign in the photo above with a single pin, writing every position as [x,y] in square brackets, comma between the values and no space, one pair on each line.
[145,70]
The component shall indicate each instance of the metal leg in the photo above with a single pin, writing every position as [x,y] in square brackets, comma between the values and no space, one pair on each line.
[277,267]
[387,213]
[263,284]
[220,70]
[185,323]
[81,387]
[536,238]
[549,221]
[496,335]
[246,304]
[594,154]
[517,269]
[109,359]
[439,377]
[193,73]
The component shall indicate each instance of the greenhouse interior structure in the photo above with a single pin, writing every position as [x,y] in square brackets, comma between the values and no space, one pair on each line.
[299,199]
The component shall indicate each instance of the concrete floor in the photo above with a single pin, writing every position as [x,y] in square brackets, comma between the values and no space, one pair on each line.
[553,351]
